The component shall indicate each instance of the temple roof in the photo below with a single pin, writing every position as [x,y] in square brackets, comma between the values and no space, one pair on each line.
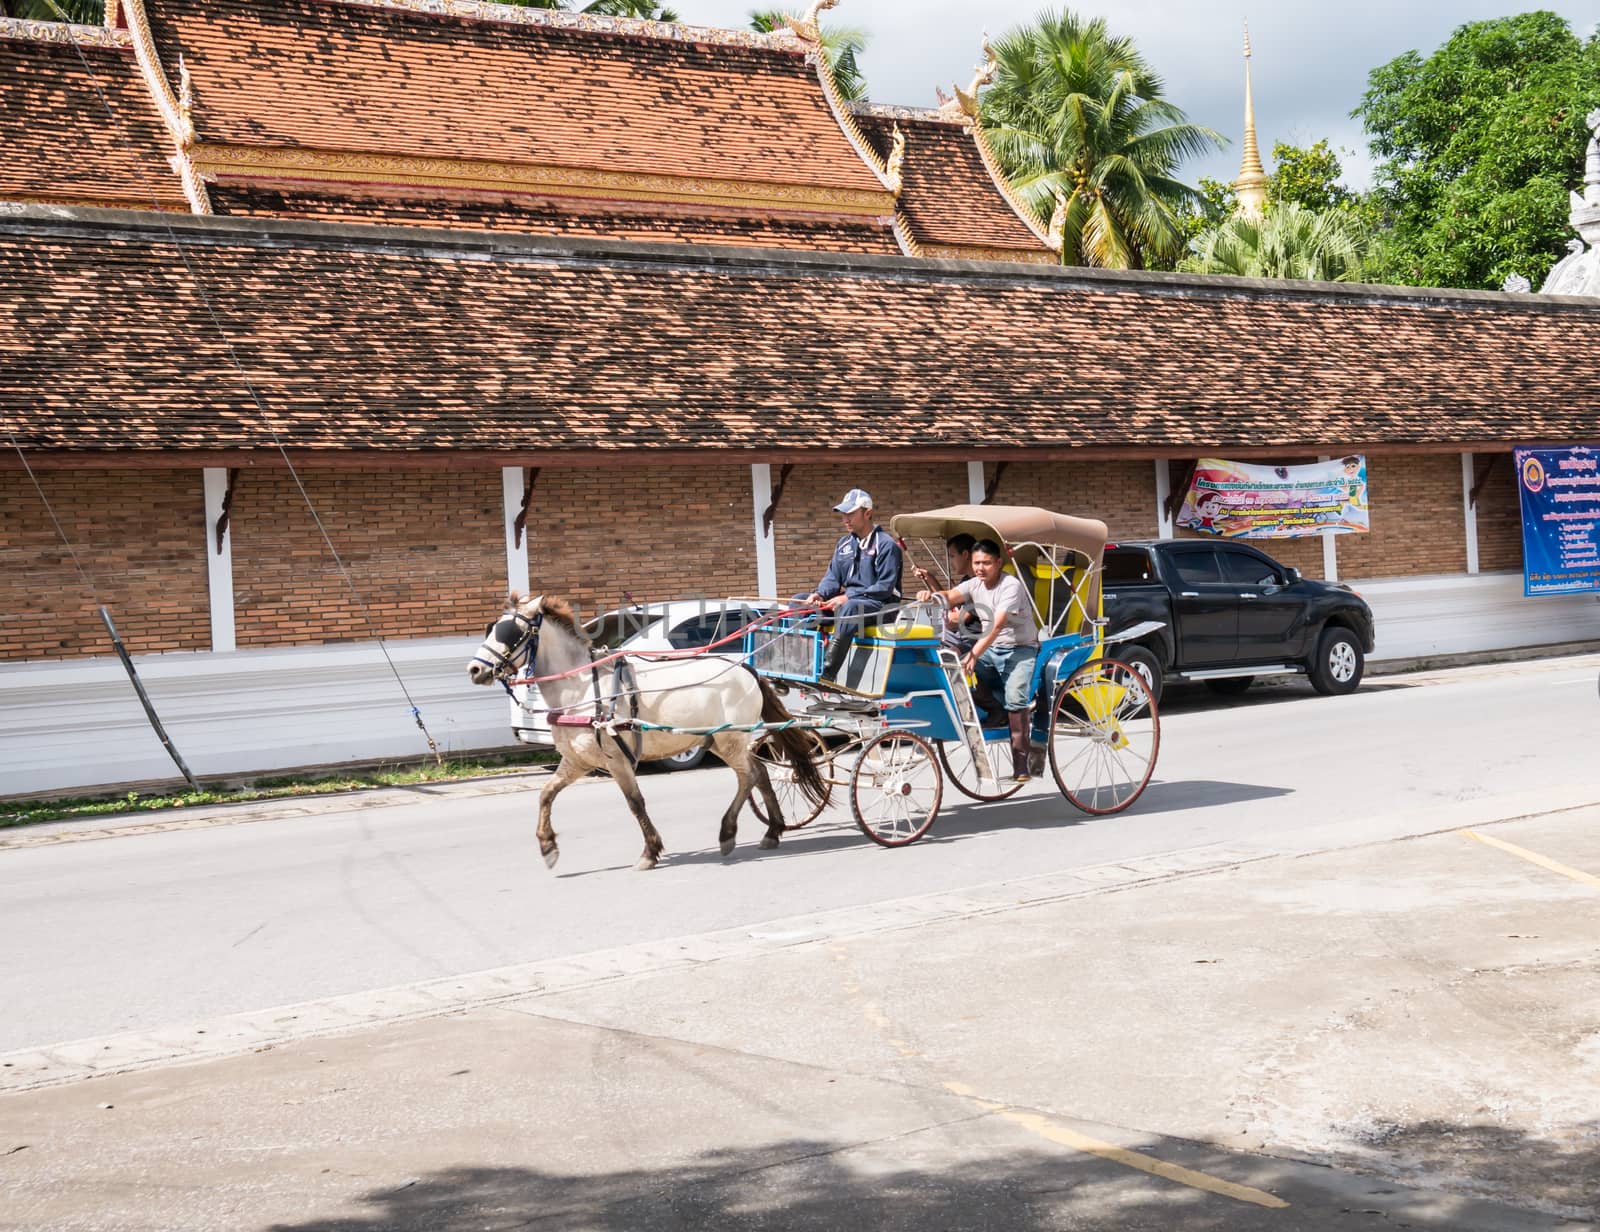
[58,143]
[633,107]
[949,198]
[363,341]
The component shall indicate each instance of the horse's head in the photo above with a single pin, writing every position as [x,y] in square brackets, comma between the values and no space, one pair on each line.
[510,643]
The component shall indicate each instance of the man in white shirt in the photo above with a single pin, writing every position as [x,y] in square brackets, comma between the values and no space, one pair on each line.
[1004,655]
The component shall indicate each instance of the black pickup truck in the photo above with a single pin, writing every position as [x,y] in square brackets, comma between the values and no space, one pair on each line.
[1230,613]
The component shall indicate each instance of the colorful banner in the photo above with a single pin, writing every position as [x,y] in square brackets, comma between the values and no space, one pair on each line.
[1244,501]
[1560,519]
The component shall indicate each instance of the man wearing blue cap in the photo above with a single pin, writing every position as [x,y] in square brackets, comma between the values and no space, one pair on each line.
[862,577]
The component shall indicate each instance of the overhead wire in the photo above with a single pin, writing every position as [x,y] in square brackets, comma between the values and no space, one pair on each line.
[204,296]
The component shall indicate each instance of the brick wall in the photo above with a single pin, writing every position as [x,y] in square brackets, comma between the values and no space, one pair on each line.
[659,533]
[1499,511]
[1417,522]
[1120,494]
[138,535]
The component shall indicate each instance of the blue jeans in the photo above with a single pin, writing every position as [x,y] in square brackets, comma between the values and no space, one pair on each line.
[1007,671]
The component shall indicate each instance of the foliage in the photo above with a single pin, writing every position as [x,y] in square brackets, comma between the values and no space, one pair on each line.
[1076,110]
[30,812]
[1480,143]
[840,44]
[82,12]
[1308,176]
[1290,242]
[1211,206]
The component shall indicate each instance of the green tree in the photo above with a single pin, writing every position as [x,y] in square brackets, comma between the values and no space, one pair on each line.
[1480,143]
[840,44]
[1290,242]
[1211,206]
[1076,111]
[1308,176]
[82,12]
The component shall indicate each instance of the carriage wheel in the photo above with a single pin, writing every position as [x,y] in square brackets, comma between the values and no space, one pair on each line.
[1104,737]
[797,810]
[962,771]
[896,788]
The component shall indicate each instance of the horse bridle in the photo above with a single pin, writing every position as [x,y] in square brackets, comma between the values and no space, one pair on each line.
[521,634]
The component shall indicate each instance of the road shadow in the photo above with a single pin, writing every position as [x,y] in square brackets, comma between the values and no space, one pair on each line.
[814,1184]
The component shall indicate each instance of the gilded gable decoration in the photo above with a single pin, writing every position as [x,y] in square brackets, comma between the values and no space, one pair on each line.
[176,118]
[61,32]
[897,162]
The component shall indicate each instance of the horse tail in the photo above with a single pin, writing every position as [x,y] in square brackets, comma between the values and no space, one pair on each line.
[792,743]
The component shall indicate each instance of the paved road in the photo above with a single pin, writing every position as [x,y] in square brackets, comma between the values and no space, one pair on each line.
[150,928]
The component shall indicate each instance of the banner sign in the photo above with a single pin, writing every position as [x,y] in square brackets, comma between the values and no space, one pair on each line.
[1560,519]
[1244,501]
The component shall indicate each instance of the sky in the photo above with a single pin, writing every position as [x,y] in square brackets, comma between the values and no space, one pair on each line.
[1309,68]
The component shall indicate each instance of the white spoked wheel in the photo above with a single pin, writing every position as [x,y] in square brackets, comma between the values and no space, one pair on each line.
[961,768]
[797,810]
[1104,737]
[896,788]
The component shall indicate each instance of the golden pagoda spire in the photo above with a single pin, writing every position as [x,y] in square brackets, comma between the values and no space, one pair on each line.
[1251,186]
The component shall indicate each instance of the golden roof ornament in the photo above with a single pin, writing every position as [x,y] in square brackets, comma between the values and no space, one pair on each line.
[1056,235]
[1251,186]
[965,102]
[185,99]
[897,159]
[809,27]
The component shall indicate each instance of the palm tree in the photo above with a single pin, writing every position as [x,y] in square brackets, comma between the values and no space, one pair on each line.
[1075,111]
[1290,242]
[83,12]
[840,44]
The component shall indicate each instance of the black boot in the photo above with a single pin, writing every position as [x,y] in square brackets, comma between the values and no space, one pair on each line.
[1021,745]
[838,652]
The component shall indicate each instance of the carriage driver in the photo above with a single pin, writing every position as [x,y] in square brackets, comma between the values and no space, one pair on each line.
[1004,656]
[862,577]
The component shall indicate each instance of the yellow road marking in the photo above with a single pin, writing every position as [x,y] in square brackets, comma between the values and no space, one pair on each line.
[1533,857]
[1063,1136]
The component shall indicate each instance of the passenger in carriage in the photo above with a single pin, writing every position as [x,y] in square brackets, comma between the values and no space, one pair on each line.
[1004,656]
[862,577]
[961,624]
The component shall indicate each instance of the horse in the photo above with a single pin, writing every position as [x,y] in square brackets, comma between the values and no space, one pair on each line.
[538,636]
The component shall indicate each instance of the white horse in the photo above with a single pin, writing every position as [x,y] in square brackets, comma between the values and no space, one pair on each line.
[538,636]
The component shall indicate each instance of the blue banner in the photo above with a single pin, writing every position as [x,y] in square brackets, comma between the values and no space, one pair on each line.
[1560,519]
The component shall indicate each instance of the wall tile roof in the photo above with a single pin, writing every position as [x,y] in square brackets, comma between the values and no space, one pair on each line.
[947,197]
[319,74]
[645,223]
[364,338]
[56,142]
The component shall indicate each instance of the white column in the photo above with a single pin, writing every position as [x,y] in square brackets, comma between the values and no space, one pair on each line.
[1330,549]
[1469,512]
[766,553]
[511,493]
[1164,526]
[219,561]
[975,483]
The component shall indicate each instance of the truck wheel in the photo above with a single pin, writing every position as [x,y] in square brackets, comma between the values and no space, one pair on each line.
[1143,661]
[1229,686]
[1337,666]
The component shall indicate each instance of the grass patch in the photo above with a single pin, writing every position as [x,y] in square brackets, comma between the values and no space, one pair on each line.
[236,791]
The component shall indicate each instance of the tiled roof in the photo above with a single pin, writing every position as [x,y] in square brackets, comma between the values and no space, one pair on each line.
[391,339]
[948,196]
[393,80]
[650,223]
[56,141]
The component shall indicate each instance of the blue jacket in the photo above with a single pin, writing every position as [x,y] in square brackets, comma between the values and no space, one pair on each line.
[870,573]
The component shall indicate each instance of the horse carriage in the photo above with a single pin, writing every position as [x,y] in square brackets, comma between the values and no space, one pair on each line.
[905,721]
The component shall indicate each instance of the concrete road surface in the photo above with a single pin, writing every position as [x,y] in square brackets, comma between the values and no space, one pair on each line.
[1253,1001]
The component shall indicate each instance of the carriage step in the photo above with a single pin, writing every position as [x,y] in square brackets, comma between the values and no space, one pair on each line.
[851,705]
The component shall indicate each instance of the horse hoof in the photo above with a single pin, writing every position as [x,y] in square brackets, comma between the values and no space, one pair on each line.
[768,841]
[551,856]
[645,864]
[727,846]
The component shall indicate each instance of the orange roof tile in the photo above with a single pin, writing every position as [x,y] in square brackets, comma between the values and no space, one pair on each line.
[59,144]
[445,79]
[948,196]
